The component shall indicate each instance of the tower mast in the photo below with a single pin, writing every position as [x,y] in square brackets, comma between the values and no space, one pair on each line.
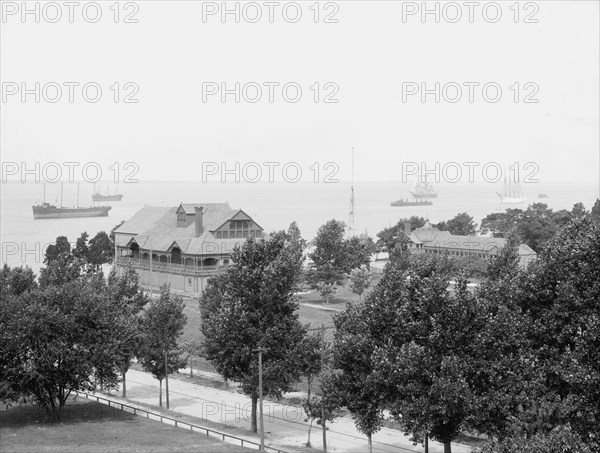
[351,219]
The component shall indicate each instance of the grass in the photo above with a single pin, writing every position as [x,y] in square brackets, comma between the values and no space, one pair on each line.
[315,313]
[90,427]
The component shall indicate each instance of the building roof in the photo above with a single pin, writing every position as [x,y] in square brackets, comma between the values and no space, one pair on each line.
[155,228]
[431,237]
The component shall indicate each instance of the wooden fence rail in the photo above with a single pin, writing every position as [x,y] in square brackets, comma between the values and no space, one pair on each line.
[178,423]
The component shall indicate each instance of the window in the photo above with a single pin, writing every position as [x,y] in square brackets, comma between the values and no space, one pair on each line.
[219,234]
[245,233]
[238,234]
[225,234]
[252,233]
[181,219]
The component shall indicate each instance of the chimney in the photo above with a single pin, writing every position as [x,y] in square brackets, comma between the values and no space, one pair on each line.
[407,228]
[198,221]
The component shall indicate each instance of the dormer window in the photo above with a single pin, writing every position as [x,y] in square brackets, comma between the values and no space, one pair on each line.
[181,219]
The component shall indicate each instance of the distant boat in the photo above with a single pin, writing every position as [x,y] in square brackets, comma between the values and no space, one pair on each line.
[422,188]
[45,210]
[99,197]
[411,203]
[542,195]
[513,193]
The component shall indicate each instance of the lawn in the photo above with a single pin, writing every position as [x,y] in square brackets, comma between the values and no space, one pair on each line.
[90,427]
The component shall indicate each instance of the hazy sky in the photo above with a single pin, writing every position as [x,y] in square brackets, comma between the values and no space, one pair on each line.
[365,57]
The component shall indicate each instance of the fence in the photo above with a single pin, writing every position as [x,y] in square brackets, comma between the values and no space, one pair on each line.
[179,424]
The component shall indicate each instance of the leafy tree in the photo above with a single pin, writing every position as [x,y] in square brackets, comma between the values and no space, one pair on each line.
[391,236]
[462,224]
[61,269]
[330,255]
[101,249]
[59,339]
[15,281]
[561,298]
[62,247]
[561,439]
[162,325]
[352,384]
[360,280]
[313,356]
[125,292]
[357,254]
[327,291]
[535,226]
[595,212]
[368,242]
[81,247]
[252,305]
[294,237]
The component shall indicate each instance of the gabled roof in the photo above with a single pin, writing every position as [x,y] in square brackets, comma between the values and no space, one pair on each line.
[236,216]
[431,237]
[155,228]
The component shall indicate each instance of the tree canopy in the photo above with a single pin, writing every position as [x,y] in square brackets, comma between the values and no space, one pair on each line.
[252,305]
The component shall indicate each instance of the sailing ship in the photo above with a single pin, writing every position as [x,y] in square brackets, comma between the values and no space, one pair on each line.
[46,210]
[97,196]
[542,195]
[422,188]
[513,193]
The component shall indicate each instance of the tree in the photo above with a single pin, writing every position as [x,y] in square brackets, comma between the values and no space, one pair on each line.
[327,291]
[126,293]
[294,237]
[15,281]
[101,250]
[357,254]
[391,236]
[561,297]
[61,247]
[330,255]
[462,224]
[595,212]
[311,353]
[81,247]
[352,385]
[561,439]
[59,339]
[360,280]
[162,325]
[252,305]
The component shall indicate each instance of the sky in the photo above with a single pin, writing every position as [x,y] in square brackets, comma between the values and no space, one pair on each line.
[369,60]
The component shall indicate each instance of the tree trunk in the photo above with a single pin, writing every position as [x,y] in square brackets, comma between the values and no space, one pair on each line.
[309,428]
[370,443]
[447,447]
[191,367]
[160,392]
[426,443]
[253,427]
[124,372]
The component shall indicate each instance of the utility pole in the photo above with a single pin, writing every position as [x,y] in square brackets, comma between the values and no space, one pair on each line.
[260,397]
[322,399]
[351,220]
[166,379]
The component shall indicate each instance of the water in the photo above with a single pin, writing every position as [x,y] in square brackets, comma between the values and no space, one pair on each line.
[273,206]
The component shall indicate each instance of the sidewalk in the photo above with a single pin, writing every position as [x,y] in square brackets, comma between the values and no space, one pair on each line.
[285,427]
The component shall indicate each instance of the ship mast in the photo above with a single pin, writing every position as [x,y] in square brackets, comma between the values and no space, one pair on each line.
[78,194]
[61,194]
[351,215]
